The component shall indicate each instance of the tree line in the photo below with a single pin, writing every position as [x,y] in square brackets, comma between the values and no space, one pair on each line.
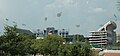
[18,44]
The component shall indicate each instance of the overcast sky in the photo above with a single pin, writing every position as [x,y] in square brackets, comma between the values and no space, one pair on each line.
[89,14]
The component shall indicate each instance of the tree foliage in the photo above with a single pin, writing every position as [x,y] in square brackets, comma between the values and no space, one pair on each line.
[51,45]
[12,44]
[76,49]
[79,38]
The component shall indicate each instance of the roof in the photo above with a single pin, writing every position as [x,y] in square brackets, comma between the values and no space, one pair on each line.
[24,31]
[109,25]
[18,30]
[110,53]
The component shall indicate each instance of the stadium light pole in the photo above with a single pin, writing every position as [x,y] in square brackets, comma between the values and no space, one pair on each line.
[59,15]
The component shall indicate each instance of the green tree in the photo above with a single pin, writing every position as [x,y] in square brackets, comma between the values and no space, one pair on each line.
[3,45]
[36,46]
[76,49]
[79,38]
[51,45]
[14,43]
[24,43]
[66,49]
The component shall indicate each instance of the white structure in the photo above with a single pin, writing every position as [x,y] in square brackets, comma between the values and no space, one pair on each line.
[109,52]
[104,35]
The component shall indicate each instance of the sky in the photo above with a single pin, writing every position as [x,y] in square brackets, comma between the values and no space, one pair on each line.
[89,14]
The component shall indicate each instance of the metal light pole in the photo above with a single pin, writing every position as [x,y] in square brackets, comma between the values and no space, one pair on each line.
[77,35]
[46,21]
[59,15]
[77,26]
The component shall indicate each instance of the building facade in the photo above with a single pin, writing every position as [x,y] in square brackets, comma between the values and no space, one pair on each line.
[64,33]
[50,30]
[118,38]
[104,35]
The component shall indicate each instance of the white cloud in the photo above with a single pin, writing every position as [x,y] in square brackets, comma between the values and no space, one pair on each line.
[87,2]
[99,9]
[96,10]
[63,3]
[67,2]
